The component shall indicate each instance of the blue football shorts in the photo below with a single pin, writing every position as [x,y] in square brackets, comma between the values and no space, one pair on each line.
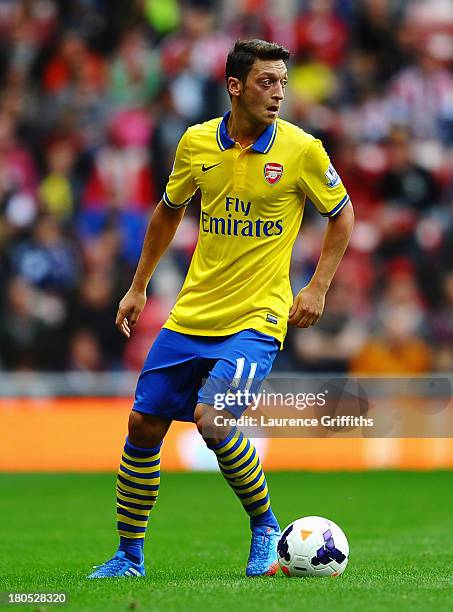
[182,370]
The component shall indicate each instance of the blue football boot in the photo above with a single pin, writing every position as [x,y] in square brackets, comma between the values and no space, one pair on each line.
[119,567]
[263,552]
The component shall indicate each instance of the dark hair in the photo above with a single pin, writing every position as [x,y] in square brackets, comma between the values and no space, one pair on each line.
[244,53]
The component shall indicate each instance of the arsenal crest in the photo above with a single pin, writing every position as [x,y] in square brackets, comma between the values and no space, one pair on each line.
[273,173]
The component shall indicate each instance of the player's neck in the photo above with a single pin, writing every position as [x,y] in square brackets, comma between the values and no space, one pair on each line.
[242,129]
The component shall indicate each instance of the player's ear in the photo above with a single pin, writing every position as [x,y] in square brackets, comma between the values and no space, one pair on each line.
[234,86]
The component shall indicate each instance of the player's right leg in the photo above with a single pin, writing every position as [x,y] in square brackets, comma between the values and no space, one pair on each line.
[137,487]
[167,387]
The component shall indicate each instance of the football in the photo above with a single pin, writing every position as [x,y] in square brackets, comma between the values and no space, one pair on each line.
[313,546]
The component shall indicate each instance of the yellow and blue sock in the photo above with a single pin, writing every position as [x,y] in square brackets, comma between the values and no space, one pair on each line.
[240,465]
[137,487]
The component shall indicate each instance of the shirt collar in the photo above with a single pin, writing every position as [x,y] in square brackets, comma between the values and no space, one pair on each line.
[262,144]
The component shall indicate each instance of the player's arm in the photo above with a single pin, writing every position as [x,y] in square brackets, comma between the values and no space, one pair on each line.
[308,304]
[321,183]
[161,229]
[159,233]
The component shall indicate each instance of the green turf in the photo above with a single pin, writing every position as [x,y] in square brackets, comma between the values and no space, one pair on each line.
[55,527]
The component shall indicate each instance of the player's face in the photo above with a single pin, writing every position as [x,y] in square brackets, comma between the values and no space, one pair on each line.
[264,90]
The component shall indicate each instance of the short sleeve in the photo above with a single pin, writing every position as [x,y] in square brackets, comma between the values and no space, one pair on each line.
[181,185]
[320,181]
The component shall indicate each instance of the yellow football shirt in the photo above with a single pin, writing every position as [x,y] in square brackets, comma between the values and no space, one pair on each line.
[252,202]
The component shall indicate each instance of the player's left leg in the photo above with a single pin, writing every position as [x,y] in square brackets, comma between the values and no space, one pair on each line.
[242,362]
[241,467]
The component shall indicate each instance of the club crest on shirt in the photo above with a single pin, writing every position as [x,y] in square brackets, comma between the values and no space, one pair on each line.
[332,177]
[273,172]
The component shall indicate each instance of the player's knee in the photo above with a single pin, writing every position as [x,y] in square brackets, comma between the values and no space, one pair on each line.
[143,431]
[137,426]
[211,432]
[202,418]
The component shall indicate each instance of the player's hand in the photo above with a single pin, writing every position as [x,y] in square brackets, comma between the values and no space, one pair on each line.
[307,307]
[129,310]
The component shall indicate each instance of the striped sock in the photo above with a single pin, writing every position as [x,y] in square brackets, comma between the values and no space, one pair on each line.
[137,487]
[240,465]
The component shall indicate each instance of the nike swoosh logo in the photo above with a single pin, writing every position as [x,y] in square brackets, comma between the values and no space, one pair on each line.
[206,168]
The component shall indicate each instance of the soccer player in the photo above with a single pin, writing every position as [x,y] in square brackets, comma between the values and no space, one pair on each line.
[254,172]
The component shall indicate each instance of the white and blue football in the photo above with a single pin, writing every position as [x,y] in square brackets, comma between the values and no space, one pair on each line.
[313,546]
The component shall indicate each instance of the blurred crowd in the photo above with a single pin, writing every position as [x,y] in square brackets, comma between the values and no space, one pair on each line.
[94,96]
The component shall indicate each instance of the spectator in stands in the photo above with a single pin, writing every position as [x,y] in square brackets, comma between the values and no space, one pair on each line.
[375,34]
[48,260]
[31,329]
[58,189]
[135,72]
[18,177]
[94,310]
[406,184]
[73,61]
[193,61]
[84,353]
[321,33]
[397,344]
[395,349]
[20,328]
[441,323]
[338,337]
[421,96]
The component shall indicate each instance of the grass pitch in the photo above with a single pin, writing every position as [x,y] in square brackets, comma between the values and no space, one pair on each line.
[55,527]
